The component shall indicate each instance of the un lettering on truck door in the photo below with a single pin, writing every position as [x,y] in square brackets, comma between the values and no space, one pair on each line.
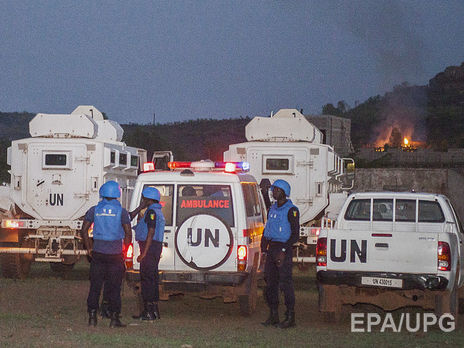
[357,250]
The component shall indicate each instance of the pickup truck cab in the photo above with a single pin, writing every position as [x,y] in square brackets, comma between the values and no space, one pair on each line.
[392,250]
[215,218]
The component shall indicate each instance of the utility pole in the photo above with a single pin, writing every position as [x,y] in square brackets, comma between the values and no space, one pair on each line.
[154,118]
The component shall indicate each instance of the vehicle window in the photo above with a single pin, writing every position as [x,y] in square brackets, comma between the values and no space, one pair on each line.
[55,159]
[205,199]
[134,161]
[430,211]
[405,210]
[123,158]
[251,199]
[456,218]
[383,210]
[167,194]
[359,209]
[277,164]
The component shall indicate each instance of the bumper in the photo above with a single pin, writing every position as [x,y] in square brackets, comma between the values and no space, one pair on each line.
[410,281]
[192,281]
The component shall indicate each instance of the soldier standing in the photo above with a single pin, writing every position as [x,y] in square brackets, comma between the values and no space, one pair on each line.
[111,227]
[281,232]
[149,233]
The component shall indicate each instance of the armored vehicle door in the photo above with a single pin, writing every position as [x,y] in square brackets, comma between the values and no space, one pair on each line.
[57,179]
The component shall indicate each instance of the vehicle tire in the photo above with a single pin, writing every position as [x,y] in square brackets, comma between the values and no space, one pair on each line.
[15,266]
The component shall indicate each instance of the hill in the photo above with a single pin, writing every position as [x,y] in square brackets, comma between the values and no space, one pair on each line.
[189,140]
[432,114]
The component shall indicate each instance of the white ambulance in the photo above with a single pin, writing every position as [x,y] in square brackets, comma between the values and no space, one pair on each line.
[392,250]
[215,217]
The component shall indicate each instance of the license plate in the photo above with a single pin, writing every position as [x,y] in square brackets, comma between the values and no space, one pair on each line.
[385,282]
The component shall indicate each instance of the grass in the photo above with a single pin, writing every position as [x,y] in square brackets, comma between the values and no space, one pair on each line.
[46,310]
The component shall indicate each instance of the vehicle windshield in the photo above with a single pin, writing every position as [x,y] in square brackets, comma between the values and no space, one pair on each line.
[205,199]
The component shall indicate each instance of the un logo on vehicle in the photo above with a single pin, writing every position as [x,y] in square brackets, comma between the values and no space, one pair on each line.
[204,241]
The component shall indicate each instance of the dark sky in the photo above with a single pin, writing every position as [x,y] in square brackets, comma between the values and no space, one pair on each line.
[217,58]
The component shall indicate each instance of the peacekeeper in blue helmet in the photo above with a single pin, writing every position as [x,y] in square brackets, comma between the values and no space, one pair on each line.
[281,232]
[111,227]
[149,233]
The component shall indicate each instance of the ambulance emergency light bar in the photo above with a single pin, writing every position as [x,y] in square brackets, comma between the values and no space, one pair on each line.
[228,167]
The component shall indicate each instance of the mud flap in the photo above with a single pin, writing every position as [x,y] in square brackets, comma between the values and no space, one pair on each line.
[248,300]
[330,304]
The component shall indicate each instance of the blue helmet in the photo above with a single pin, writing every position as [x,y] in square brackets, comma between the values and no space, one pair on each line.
[151,193]
[110,189]
[282,184]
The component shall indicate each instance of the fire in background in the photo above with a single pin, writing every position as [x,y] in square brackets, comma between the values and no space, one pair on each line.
[397,138]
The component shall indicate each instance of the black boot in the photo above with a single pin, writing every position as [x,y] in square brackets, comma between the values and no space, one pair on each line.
[156,312]
[289,320]
[92,317]
[105,310]
[273,318]
[115,321]
[148,312]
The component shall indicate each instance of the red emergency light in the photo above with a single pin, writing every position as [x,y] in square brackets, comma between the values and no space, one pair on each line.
[177,164]
[148,167]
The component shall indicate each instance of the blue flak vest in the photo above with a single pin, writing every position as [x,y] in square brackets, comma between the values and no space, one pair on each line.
[107,222]
[278,227]
[141,229]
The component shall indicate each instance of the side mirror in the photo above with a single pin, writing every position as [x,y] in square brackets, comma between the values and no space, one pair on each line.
[350,167]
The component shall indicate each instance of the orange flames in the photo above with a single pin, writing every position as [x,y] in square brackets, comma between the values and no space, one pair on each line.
[394,136]
[397,137]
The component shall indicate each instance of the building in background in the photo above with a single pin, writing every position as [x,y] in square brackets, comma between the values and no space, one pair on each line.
[336,132]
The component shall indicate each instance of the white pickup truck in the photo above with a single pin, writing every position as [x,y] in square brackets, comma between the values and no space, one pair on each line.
[392,250]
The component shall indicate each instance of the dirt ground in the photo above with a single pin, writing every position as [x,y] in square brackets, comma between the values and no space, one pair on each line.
[49,309]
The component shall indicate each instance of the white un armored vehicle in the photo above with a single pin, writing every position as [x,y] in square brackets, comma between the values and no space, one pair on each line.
[287,146]
[55,178]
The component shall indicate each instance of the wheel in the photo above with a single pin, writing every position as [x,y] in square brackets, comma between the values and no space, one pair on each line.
[15,266]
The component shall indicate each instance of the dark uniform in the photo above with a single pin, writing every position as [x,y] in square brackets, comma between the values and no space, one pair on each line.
[281,232]
[152,219]
[107,263]
[111,227]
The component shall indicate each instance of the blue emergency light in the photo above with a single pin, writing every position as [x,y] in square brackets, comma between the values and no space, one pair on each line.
[243,166]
